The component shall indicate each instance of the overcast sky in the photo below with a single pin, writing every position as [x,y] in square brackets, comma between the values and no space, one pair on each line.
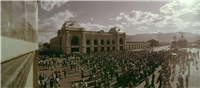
[133,17]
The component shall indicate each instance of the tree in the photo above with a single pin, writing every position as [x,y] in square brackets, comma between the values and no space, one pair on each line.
[46,46]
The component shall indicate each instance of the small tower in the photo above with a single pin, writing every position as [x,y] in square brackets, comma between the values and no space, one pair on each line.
[174,38]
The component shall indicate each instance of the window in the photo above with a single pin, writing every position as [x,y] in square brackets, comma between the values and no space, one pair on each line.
[102,42]
[88,42]
[95,42]
[74,41]
[113,42]
[108,42]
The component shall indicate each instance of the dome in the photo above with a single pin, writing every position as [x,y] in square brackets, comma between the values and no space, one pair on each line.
[115,29]
[71,24]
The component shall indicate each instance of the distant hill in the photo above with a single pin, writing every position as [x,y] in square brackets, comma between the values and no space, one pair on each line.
[163,37]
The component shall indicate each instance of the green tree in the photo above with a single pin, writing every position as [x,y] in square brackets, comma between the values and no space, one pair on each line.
[46,46]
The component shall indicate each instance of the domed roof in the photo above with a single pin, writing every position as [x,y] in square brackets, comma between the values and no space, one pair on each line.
[70,24]
[115,29]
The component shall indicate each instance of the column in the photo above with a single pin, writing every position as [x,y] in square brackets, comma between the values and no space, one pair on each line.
[68,46]
[105,45]
[99,44]
[117,42]
[92,46]
[83,44]
[63,42]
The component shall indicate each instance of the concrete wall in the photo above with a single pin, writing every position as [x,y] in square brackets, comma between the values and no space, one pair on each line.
[19,38]
[11,48]
[29,83]
[19,28]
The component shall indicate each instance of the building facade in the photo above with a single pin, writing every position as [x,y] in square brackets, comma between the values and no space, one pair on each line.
[182,43]
[73,38]
[137,45]
[153,42]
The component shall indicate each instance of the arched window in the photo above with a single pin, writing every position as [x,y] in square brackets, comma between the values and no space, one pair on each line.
[108,42]
[88,42]
[120,41]
[95,42]
[113,42]
[102,42]
[74,41]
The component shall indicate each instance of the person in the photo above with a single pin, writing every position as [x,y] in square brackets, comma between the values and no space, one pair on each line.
[152,83]
[51,83]
[65,73]
[181,82]
[131,85]
[187,80]
[160,81]
[177,86]
[75,85]
[153,77]
[82,74]
[95,85]
[72,85]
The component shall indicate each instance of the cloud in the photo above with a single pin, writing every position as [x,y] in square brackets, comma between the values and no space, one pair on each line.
[49,5]
[89,26]
[177,9]
[168,8]
[197,23]
[117,18]
[91,18]
[96,27]
[137,17]
[142,28]
[45,37]
[170,21]
[52,24]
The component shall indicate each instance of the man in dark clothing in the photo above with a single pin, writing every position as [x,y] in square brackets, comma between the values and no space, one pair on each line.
[159,79]
[153,77]
[187,80]
[65,73]
[180,80]
[51,83]
[71,65]
[82,74]
[152,81]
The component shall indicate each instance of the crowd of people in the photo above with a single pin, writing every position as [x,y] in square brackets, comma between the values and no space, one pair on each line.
[127,68]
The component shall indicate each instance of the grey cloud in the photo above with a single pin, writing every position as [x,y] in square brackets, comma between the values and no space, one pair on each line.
[142,28]
[49,5]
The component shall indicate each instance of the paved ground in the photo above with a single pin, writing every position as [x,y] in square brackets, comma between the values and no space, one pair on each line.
[194,79]
[73,76]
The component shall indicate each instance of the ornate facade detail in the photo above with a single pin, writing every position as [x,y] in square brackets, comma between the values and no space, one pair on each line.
[98,41]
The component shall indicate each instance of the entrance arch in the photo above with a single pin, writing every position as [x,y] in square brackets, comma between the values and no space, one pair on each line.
[75,44]
[74,41]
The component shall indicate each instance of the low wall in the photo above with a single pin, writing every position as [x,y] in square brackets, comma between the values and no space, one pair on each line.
[11,48]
